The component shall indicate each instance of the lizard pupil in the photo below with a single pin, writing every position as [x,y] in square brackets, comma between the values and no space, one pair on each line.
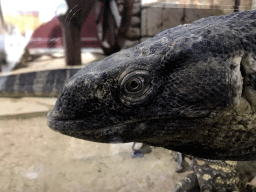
[135,84]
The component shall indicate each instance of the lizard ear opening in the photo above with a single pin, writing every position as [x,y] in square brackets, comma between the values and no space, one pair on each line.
[135,87]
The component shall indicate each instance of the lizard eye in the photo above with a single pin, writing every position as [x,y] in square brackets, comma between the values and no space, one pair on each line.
[136,86]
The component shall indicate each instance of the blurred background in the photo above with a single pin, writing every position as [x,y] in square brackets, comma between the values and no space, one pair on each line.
[34,27]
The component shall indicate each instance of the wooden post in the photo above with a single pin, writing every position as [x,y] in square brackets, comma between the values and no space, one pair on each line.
[236,6]
[71,24]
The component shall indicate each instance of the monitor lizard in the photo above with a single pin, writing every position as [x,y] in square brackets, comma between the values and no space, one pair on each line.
[190,88]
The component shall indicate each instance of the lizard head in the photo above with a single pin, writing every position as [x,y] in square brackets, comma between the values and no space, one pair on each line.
[110,100]
[168,91]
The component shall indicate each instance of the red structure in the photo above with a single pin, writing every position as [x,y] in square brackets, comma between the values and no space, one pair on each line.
[49,35]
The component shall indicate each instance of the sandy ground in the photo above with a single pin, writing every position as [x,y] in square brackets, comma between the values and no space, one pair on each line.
[35,158]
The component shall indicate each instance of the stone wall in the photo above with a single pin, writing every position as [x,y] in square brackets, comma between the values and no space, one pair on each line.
[148,20]
[133,34]
[253,4]
[163,16]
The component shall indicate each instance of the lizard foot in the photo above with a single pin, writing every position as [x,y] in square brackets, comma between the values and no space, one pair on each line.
[188,183]
[213,175]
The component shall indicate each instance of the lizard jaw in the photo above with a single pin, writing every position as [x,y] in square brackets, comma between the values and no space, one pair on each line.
[80,129]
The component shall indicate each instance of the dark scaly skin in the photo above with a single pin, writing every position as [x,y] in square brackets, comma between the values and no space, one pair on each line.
[44,83]
[215,175]
[191,88]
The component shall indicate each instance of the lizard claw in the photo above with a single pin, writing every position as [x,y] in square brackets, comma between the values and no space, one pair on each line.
[180,160]
[182,165]
[188,183]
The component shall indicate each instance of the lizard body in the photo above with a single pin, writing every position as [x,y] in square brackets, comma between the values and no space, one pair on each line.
[45,83]
[191,88]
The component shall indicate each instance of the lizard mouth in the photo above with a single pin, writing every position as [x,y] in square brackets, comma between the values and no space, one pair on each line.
[120,133]
[141,131]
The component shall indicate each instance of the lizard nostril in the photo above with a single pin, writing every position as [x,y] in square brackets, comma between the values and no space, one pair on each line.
[100,92]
